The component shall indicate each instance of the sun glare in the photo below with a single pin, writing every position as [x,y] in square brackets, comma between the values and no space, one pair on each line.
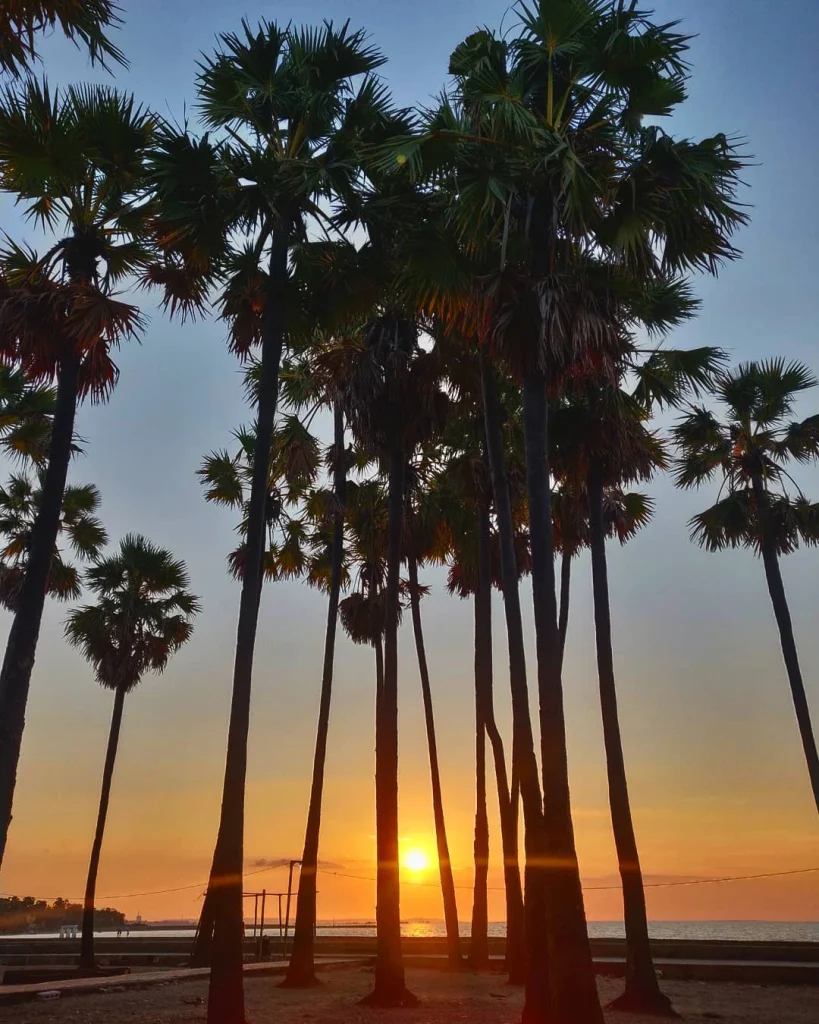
[415,860]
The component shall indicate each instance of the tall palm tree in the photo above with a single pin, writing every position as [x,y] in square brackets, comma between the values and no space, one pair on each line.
[84,22]
[747,444]
[600,441]
[507,794]
[75,159]
[390,401]
[554,164]
[524,759]
[394,401]
[227,478]
[463,493]
[142,616]
[79,525]
[301,969]
[598,446]
[454,957]
[289,116]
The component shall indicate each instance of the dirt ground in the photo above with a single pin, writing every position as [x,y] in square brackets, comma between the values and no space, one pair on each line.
[477,999]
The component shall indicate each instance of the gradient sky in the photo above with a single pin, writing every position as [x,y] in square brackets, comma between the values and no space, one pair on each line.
[717,778]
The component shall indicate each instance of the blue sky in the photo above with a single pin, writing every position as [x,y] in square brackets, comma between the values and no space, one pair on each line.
[711,744]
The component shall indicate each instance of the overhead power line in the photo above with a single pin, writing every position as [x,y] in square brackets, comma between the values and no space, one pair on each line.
[435,885]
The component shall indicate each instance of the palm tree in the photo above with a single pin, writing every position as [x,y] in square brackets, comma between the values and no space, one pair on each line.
[301,969]
[524,760]
[507,794]
[599,442]
[19,503]
[228,478]
[26,409]
[393,401]
[290,121]
[75,159]
[598,446]
[553,164]
[142,616]
[390,401]
[748,444]
[463,494]
[85,22]
[444,863]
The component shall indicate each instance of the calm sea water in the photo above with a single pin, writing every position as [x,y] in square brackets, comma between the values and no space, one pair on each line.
[742,931]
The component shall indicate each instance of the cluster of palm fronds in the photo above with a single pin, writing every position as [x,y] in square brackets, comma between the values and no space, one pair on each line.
[480,294]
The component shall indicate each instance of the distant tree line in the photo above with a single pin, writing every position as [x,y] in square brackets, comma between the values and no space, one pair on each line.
[30,914]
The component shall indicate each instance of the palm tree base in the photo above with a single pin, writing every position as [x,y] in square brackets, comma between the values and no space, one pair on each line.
[636,1000]
[390,999]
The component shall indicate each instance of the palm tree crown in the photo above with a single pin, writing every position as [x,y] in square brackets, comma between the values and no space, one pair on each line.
[26,410]
[754,439]
[82,21]
[19,504]
[74,158]
[142,616]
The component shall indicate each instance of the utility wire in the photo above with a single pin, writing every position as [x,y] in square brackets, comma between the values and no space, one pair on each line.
[435,885]
[600,888]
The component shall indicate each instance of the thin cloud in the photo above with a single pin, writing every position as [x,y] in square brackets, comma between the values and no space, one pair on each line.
[284,862]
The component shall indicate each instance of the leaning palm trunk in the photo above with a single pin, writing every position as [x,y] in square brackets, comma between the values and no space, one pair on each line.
[776,588]
[389,989]
[524,760]
[226,993]
[453,941]
[642,993]
[565,593]
[572,992]
[301,971]
[87,936]
[479,931]
[479,934]
[515,923]
[21,646]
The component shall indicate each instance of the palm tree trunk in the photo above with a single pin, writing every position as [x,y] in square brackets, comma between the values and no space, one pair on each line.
[453,941]
[565,591]
[642,993]
[524,745]
[572,988]
[524,761]
[379,677]
[203,939]
[87,934]
[21,646]
[479,931]
[389,989]
[226,992]
[515,922]
[776,588]
[301,971]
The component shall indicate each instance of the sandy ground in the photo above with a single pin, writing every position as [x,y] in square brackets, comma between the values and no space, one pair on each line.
[445,999]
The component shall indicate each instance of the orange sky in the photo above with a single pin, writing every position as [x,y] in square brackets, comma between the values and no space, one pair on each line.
[717,777]
[705,802]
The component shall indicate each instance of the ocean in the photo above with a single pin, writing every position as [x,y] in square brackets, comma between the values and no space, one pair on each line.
[738,931]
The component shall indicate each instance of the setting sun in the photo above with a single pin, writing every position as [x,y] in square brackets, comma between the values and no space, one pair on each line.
[415,860]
